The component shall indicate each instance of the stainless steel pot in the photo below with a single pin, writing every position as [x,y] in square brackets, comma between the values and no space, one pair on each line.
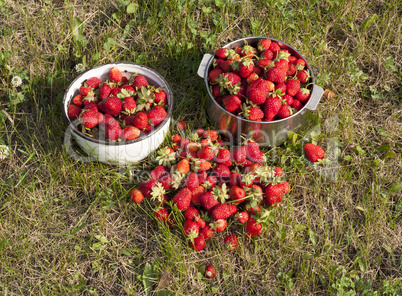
[272,133]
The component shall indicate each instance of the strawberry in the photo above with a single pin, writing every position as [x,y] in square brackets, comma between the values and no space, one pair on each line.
[210,271]
[223,211]
[73,111]
[313,152]
[284,112]
[225,66]
[222,53]
[274,47]
[268,54]
[162,214]
[253,113]
[160,97]
[253,228]
[296,104]
[253,210]
[231,102]
[206,153]
[214,74]
[196,194]
[276,74]
[263,44]
[91,106]
[292,87]
[191,229]
[258,90]
[210,182]
[93,82]
[217,91]
[288,99]
[251,78]
[207,232]
[182,199]
[140,120]
[247,50]
[208,201]
[115,91]
[84,91]
[253,151]
[115,75]
[229,81]
[265,63]
[223,156]
[128,106]
[278,172]
[292,60]
[271,107]
[113,132]
[303,95]
[222,172]
[239,154]
[219,225]
[246,67]
[234,179]
[273,194]
[139,81]
[136,195]
[90,118]
[192,181]
[231,242]
[157,114]
[303,76]
[282,88]
[109,120]
[286,187]
[210,134]
[77,100]
[183,166]
[191,214]
[242,217]
[198,244]
[110,105]
[130,133]
[300,64]
[158,172]
[291,70]
[237,194]
[146,187]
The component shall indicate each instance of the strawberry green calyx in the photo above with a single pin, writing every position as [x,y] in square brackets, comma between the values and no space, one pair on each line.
[157,192]
[282,55]
[220,193]
[145,99]
[178,179]
[166,157]
[266,174]
[231,53]
[125,93]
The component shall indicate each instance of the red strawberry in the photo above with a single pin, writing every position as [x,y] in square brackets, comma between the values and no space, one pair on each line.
[162,214]
[253,228]
[157,114]
[222,172]
[191,229]
[219,225]
[111,105]
[303,95]
[109,120]
[183,166]
[130,133]
[278,172]
[140,120]
[258,90]
[93,82]
[296,104]
[268,54]
[223,156]
[274,47]
[207,232]
[271,107]
[208,201]
[273,194]
[91,118]
[196,195]
[263,44]
[136,195]
[231,242]
[73,111]
[253,113]
[300,64]
[139,80]
[292,60]
[210,134]
[223,211]
[198,244]
[77,100]
[84,91]
[146,187]
[91,106]
[303,76]
[115,75]
[237,194]
[206,153]
[286,187]
[251,78]
[191,214]
[282,88]
[115,91]
[284,112]
[292,87]
[210,271]
[291,70]
[246,67]
[242,217]
[229,81]
[234,179]
[158,172]
[128,106]
[217,91]
[247,51]
[160,97]
[253,151]
[192,181]
[176,138]
[113,132]
[182,199]
[277,75]
[288,99]
[231,102]
[313,152]
[224,66]
[214,74]
[222,53]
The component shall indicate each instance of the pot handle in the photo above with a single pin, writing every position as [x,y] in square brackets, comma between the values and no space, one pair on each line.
[315,98]
[203,65]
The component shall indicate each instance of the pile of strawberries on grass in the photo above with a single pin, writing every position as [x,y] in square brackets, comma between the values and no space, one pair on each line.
[201,187]
[121,108]
[259,82]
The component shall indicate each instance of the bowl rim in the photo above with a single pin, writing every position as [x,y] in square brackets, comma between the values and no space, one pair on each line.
[299,112]
[169,96]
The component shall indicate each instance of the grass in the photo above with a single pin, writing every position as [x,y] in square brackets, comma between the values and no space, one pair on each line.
[68,228]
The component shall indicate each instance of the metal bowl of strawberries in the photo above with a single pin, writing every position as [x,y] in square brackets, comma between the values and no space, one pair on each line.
[259,87]
[118,112]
